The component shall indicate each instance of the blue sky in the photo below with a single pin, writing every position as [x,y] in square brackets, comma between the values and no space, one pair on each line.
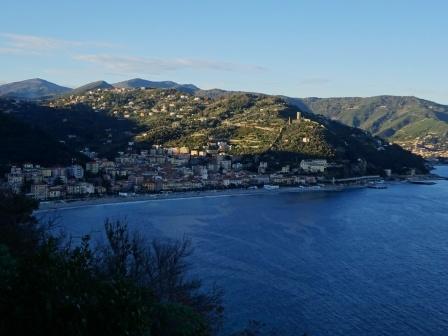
[297,48]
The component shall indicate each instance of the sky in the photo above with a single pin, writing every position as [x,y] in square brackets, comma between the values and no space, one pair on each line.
[297,48]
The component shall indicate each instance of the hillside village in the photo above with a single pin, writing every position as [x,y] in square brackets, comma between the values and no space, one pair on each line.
[248,124]
[157,170]
[416,124]
[427,146]
[173,141]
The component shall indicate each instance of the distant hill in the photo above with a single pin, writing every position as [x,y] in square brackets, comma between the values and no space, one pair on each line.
[215,93]
[91,86]
[138,83]
[32,89]
[410,121]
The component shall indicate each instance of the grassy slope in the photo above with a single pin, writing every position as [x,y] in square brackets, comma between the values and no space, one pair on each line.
[386,116]
[423,127]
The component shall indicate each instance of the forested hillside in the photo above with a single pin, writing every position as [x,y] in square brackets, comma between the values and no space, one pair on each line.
[417,124]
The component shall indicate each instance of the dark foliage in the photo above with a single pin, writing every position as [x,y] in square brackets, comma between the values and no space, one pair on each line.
[78,126]
[22,143]
[125,286]
[19,230]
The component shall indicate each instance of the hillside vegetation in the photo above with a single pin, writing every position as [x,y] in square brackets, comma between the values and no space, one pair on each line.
[418,125]
[253,125]
[412,122]
[22,143]
[137,83]
[125,285]
[76,127]
[415,124]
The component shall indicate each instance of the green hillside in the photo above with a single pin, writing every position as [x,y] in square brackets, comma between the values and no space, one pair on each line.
[399,119]
[253,125]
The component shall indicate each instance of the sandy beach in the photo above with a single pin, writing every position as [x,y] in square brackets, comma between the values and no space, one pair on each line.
[113,200]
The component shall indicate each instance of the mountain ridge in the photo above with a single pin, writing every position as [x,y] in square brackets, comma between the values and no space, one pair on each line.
[100,84]
[32,89]
[136,83]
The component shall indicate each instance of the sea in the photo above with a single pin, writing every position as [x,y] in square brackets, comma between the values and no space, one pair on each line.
[358,262]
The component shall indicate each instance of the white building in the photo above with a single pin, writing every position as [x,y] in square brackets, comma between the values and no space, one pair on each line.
[76,171]
[314,166]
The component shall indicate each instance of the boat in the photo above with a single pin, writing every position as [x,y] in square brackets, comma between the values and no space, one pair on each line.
[270,187]
[306,188]
[332,187]
[377,186]
[422,182]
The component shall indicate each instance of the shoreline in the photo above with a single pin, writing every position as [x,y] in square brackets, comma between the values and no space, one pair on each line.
[215,193]
[116,200]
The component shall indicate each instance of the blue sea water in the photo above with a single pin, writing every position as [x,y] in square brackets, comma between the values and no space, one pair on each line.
[362,262]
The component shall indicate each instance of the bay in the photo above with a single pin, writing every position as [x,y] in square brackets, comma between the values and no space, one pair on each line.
[361,262]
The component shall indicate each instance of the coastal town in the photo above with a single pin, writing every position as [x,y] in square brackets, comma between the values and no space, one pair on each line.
[428,146]
[160,170]
[157,170]
[165,141]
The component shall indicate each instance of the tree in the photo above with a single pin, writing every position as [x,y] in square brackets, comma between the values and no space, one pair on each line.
[126,286]
[59,292]
[19,230]
[161,266]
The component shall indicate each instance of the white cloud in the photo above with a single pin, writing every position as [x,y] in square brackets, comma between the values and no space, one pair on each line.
[31,44]
[9,51]
[141,65]
[91,52]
